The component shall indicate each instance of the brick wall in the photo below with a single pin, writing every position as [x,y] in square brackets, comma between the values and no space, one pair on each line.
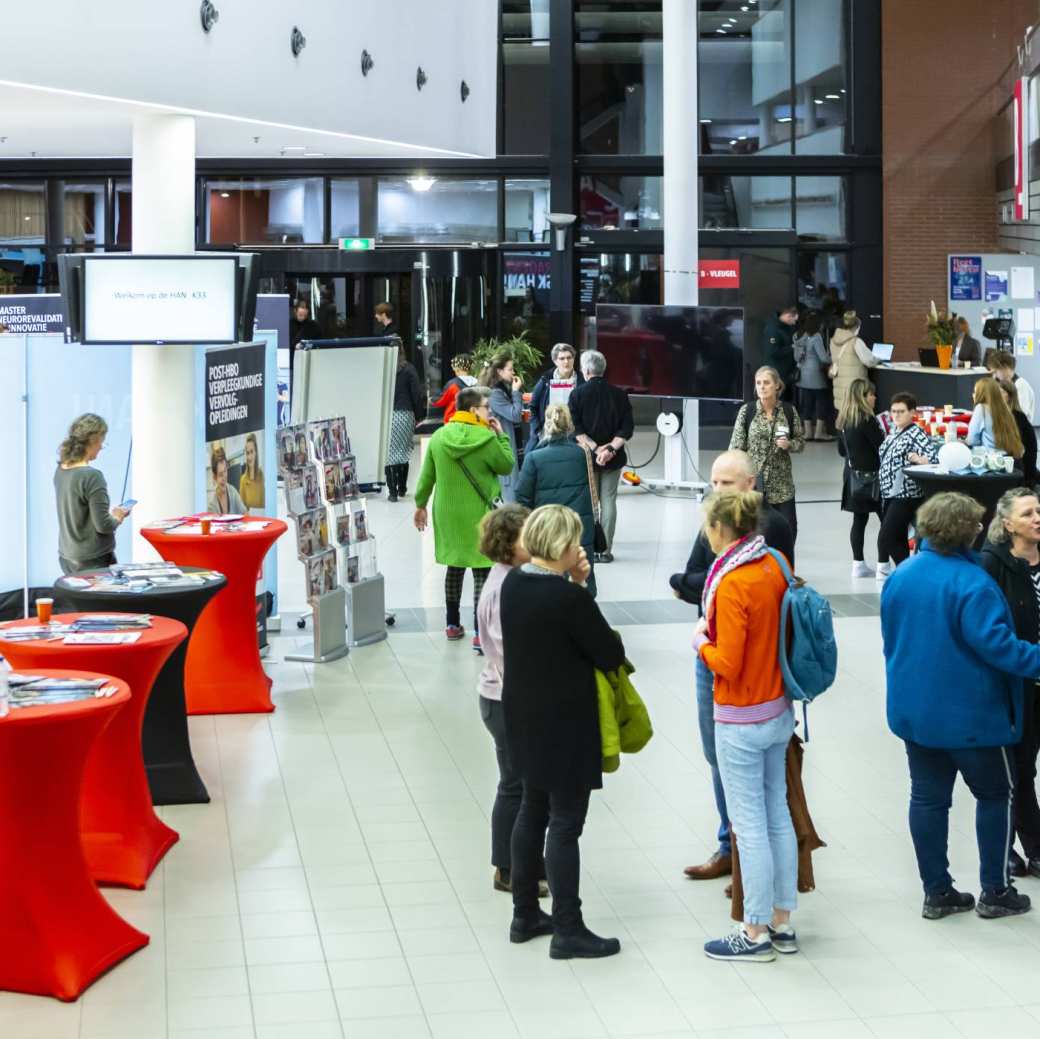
[943,64]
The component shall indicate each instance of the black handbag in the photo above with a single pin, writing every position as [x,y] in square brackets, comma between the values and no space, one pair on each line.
[599,535]
[864,487]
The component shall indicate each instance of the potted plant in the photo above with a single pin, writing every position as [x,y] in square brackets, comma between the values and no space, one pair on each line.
[941,334]
[526,357]
[7,282]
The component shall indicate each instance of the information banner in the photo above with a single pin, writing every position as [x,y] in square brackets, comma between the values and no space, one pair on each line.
[965,277]
[32,314]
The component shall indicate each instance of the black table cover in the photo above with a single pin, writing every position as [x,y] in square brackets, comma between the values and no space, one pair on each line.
[987,489]
[172,775]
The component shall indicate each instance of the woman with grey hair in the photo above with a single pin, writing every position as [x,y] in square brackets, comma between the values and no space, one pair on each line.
[554,387]
[1011,557]
[603,424]
[87,523]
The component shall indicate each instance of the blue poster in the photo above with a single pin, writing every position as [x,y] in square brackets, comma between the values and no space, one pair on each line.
[966,277]
[996,286]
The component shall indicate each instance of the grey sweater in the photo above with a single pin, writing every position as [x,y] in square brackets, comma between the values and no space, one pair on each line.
[86,529]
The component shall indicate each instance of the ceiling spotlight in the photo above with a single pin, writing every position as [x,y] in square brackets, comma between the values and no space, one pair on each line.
[705,121]
[734,141]
[421,183]
[818,101]
[464,91]
[720,30]
[367,63]
[421,79]
[225,194]
[742,137]
[209,15]
[297,41]
[833,97]
[783,118]
[28,218]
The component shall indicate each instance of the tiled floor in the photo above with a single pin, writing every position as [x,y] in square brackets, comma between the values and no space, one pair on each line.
[337,887]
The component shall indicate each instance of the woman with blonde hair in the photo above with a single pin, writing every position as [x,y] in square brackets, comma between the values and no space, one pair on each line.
[770,432]
[556,472]
[850,357]
[552,725]
[87,523]
[860,439]
[992,424]
[251,482]
[736,639]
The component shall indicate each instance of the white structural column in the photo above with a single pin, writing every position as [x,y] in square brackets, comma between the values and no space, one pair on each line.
[163,185]
[681,138]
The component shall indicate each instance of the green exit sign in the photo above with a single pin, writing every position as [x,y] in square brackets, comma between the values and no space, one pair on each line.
[356,245]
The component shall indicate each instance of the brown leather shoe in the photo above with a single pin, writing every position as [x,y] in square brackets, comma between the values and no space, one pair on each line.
[728,893]
[718,865]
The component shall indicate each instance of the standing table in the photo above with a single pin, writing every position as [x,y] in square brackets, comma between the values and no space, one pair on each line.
[57,932]
[985,488]
[123,838]
[223,673]
[172,775]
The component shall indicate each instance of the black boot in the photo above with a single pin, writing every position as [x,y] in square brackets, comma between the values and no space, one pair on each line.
[402,483]
[523,928]
[391,481]
[582,944]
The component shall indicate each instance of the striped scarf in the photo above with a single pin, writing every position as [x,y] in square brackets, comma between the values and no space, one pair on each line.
[741,552]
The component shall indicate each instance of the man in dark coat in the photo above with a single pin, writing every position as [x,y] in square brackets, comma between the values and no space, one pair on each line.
[778,347]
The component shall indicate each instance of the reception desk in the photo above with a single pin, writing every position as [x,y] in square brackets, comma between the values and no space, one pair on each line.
[936,386]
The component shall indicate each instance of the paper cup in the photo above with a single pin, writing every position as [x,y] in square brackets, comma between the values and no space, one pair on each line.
[206,525]
[44,607]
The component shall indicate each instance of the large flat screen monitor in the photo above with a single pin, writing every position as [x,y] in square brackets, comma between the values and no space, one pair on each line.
[662,351]
[189,299]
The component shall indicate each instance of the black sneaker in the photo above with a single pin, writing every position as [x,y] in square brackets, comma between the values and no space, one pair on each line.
[1017,865]
[523,929]
[994,904]
[1034,867]
[583,945]
[946,904]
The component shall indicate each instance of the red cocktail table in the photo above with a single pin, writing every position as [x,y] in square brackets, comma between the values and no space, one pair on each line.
[57,932]
[223,673]
[123,838]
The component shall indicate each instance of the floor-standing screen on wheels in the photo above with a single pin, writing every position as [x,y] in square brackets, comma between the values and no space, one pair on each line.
[661,351]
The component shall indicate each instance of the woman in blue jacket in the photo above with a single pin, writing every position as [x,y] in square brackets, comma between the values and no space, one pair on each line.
[508,407]
[955,667]
[556,472]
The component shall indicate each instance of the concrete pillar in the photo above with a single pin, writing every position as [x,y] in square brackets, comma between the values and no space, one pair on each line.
[681,200]
[163,381]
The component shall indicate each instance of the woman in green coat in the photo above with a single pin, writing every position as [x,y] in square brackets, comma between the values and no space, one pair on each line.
[464,459]
[556,472]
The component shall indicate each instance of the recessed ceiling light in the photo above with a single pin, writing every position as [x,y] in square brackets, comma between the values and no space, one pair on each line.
[783,119]
[720,30]
[742,137]
[28,218]
[833,97]
[817,101]
[705,120]
[734,141]
[225,194]
[421,183]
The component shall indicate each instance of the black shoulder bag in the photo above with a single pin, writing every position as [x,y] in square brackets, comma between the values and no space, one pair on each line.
[490,505]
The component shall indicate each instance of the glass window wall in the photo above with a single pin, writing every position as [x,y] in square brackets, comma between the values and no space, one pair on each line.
[612,202]
[527,211]
[820,208]
[820,86]
[84,217]
[123,201]
[345,209]
[619,68]
[431,209]
[23,235]
[748,203]
[526,283]
[617,278]
[284,211]
[823,284]
[525,77]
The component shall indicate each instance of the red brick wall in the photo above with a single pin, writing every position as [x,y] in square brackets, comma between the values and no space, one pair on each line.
[943,65]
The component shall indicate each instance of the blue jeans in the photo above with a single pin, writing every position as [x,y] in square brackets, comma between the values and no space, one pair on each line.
[705,682]
[752,760]
[989,774]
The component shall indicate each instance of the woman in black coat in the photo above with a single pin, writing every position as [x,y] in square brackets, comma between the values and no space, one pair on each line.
[859,437]
[553,640]
[1011,556]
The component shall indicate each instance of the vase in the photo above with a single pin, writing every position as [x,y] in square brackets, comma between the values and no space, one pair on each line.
[945,355]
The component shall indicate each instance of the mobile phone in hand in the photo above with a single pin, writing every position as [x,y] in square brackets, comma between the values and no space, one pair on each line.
[128,504]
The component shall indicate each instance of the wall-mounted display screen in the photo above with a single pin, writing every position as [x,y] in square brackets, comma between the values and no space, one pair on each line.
[131,299]
[661,351]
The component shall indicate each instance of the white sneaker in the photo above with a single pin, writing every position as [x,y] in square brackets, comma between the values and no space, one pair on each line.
[861,569]
[884,570]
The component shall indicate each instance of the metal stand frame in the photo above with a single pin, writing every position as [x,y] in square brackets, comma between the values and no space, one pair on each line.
[330,639]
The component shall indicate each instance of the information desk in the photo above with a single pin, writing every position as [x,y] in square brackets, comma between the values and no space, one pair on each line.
[123,838]
[57,931]
[936,386]
[223,673]
[172,776]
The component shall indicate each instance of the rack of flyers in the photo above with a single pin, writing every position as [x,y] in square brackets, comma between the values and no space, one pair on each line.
[36,691]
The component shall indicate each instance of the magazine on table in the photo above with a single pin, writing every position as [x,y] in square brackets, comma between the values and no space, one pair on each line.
[102,638]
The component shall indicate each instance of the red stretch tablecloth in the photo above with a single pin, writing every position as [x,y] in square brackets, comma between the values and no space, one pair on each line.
[57,932]
[223,673]
[123,838]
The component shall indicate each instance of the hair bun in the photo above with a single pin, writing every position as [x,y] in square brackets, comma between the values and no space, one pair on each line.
[850,319]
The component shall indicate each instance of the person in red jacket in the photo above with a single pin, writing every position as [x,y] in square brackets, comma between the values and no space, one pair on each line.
[461,365]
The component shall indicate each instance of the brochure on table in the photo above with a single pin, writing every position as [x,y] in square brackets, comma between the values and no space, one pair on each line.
[319,474]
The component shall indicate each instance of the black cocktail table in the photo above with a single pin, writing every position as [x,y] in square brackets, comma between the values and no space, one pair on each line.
[986,488]
[172,775]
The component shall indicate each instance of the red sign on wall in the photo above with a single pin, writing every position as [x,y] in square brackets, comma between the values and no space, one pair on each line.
[719,274]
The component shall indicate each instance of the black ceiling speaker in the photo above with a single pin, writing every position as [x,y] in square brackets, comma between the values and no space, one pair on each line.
[297,41]
[464,91]
[209,15]
[367,64]
[420,78]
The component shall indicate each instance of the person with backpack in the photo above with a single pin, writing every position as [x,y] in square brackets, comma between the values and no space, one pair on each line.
[464,461]
[770,432]
[955,668]
[737,638]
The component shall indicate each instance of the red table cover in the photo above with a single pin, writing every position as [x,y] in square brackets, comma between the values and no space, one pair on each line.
[57,932]
[123,838]
[223,673]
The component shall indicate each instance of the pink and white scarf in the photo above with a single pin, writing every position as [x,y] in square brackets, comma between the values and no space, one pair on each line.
[740,553]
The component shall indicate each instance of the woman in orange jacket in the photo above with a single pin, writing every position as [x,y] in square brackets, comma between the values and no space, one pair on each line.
[737,639]
[461,365]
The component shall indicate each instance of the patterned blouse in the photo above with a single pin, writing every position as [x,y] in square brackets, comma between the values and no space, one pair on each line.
[771,462]
[895,449]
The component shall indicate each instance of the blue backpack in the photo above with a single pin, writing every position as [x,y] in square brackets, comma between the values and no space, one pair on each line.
[807,651]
